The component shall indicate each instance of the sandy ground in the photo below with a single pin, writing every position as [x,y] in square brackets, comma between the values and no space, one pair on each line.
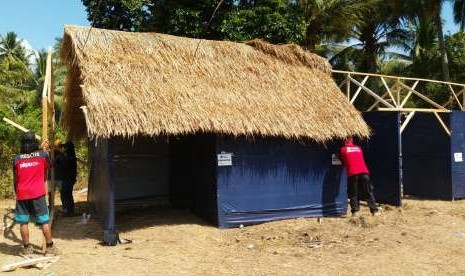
[421,238]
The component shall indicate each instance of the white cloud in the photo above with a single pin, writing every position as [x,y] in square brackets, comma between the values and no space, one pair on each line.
[30,51]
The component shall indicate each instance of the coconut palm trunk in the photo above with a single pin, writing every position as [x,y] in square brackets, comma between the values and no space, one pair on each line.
[442,47]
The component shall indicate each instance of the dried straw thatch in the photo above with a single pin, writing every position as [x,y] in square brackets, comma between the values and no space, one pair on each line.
[152,84]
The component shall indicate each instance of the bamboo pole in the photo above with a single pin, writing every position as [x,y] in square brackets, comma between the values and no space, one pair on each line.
[442,123]
[45,119]
[410,92]
[423,97]
[431,110]
[373,94]
[357,92]
[396,77]
[18,126]
[51,102]
[389,91]
[407,120]
[455,96]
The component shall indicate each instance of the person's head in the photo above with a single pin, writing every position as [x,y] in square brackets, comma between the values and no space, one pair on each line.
[57,144]
[29,143]
[349,141]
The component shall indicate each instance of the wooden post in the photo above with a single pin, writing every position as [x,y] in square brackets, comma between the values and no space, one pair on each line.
[45,119]
[348,86]
[51,102]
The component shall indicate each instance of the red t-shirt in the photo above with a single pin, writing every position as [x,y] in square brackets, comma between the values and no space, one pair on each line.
[30,172]
[352,156]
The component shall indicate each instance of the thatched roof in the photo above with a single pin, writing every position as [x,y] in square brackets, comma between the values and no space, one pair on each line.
[152,84]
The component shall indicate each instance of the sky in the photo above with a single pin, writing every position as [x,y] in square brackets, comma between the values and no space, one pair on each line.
[39,22]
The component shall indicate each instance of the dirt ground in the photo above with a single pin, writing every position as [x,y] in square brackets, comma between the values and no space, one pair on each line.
[421,238]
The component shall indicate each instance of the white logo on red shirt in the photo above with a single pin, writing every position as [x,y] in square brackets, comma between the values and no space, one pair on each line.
[28,164]
[353,149]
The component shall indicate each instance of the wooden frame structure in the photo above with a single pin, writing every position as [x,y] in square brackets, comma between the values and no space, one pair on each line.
[395,94]
[48,126]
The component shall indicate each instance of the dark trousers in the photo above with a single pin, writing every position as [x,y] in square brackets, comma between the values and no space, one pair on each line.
[66,195]
[360,187]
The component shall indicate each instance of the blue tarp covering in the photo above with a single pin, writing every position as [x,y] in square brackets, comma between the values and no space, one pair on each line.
[432,159]
[265,179]
[271,179]
[426,157]
[382,154]
[457,143]
[101,196]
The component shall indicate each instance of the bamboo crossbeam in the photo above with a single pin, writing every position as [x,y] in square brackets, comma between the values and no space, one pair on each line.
[359,90]
[396,77]
[410,92]
[442,123]
[430,110]
[373,94]
[18,126]
[348,87]
[407,120]
[376,103]
[389,91]
[423,97]
[451,100]
[455,96]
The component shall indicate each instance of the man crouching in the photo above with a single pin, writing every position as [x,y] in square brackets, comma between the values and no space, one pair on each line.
[30,171]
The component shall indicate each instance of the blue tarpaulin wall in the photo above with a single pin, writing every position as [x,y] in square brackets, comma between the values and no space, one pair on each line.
[382,155]
[267,178]
[433,160]
[272,179]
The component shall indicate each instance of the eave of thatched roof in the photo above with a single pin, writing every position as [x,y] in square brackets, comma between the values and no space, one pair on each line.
[152,84]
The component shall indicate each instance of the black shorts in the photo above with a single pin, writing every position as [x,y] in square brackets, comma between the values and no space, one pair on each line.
[36,208]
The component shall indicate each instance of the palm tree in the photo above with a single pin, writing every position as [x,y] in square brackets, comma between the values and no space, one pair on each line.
[11,47]
[459,13]
[430,9]
[373,37]
[331,19]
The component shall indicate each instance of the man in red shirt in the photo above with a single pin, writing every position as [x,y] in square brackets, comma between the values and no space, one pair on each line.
[358,177]
[30,171]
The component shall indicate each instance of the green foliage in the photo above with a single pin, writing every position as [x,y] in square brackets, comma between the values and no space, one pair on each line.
[20,91]
[456,51]
[277,21]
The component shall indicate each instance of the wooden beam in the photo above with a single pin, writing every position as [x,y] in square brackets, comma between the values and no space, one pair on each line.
[389,90]
[442,123]
[407,120]
[423,97]
[455,96]
[28,262]
[427,110]
[51,97]
[410,92]
[396,77]
[348,87]
[359,90]
[342,84]
[458,94]
[376,102]
[373,94]
[18,126]
[45,118]
[86,117]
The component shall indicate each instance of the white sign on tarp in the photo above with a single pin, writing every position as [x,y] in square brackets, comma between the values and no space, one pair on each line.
[458,157]
[224,159]
[335,159]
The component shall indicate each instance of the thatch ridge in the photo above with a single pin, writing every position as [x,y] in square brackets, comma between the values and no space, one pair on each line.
[152,84]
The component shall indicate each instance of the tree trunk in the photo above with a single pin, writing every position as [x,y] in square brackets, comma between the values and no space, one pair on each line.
[442,47]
